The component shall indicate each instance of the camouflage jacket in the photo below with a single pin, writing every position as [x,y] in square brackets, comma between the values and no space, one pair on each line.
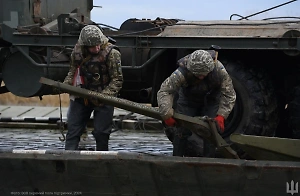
[177,80]
[109,70]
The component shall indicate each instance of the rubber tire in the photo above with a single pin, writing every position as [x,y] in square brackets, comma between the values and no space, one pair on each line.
[255,111]
[294,113]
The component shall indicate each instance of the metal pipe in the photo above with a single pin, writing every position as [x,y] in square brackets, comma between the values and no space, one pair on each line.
[41,64]
[266,10]
[149,61]
[157,54]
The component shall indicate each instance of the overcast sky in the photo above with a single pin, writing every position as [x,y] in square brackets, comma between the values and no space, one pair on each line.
[114,12]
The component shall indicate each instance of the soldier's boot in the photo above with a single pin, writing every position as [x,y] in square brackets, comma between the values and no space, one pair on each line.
[71,145]
[102,142]
[179,145]
[209,149]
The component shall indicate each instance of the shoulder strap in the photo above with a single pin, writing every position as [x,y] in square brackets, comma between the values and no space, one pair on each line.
[189,76]
[85,60]
[109,51]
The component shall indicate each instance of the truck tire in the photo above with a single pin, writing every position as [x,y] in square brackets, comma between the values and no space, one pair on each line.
[294,114]
[255,111]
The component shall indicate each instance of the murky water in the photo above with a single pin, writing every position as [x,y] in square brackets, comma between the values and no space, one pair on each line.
[142,141]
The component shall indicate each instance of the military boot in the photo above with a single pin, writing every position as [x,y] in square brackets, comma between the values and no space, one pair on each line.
[102,142]
[179,145]
[71,145]
[180,141]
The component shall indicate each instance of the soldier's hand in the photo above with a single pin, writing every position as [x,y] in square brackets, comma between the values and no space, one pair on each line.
[171,122]
[220,121]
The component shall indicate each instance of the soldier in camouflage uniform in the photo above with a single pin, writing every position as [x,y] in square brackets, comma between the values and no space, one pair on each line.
[95,65]
[204,89]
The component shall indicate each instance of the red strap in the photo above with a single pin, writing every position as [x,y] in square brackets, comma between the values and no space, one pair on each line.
[76,75]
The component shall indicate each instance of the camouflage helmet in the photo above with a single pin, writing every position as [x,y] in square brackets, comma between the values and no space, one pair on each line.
[200,62]
[91,35]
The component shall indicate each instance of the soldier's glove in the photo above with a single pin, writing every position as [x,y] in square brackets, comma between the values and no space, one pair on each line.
[170,122]
[220,120]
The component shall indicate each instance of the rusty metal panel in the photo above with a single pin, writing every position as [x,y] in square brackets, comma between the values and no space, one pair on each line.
[122,173]
[27,12]
[36,10]
[52,8]
[231,28]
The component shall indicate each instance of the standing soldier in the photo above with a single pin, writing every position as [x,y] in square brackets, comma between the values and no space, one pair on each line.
[95,65]
[204,89]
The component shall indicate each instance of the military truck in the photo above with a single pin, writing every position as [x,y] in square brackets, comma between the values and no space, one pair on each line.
[262,58]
